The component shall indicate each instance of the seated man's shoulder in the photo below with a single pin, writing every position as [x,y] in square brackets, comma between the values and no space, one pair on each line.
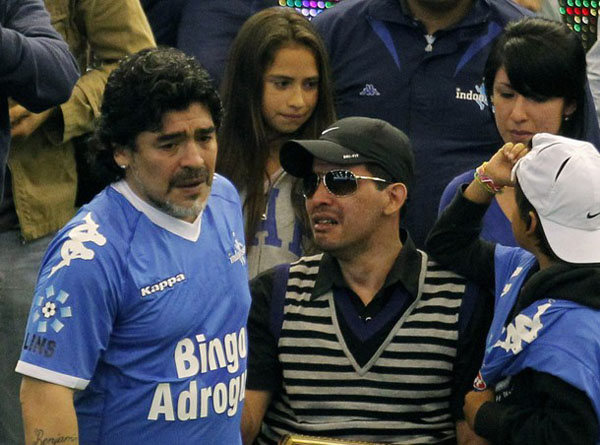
[436,270]
[281,272]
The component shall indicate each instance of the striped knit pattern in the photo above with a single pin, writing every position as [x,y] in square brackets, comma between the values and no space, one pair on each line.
[401,395]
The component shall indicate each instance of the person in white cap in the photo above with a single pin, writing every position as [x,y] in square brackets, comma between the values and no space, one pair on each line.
[538,383]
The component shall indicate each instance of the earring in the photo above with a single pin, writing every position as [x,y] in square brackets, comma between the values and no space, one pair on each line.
[567,117]
[123,166]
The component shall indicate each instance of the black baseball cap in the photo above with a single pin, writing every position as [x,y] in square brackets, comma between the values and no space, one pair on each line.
[353,140]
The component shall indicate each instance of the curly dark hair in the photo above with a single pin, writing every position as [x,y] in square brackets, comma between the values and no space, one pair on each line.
[138,93]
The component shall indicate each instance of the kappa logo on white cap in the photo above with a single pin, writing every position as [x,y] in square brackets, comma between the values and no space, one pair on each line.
[329,129]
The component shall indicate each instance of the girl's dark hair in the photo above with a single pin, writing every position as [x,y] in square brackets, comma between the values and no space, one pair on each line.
[543,59]
[524,207]
[244,145]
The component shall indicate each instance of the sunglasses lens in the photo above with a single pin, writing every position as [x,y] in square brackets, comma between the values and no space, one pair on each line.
[340,182]
[310,184]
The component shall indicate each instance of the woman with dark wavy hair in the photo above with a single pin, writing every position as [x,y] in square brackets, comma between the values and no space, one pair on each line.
[277,87]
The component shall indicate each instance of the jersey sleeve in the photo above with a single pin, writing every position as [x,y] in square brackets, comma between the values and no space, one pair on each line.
[74,306]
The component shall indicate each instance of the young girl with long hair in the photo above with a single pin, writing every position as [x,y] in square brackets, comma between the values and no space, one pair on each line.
[276,87]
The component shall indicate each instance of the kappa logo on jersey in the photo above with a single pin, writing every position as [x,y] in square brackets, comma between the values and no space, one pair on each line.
[74,249]
[51,310]
[239,251]
[162,285]
[369,90]
[478,96]
[523,330]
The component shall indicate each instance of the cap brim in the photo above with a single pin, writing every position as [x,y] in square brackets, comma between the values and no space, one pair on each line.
[297,156]
[576,246]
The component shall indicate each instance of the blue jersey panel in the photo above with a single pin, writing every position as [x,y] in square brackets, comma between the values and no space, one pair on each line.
[149,324]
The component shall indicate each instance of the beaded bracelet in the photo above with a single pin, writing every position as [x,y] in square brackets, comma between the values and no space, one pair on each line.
[485,181]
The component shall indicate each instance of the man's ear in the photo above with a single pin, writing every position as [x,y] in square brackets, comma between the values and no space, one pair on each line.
[397,194]
[532,222]
[122,156]
[570,108]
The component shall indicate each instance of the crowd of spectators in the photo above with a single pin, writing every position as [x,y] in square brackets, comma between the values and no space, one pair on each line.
[458,80]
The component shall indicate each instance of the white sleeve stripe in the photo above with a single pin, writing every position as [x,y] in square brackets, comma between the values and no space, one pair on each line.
[47,375]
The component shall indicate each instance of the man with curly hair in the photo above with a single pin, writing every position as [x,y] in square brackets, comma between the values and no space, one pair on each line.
[137,330]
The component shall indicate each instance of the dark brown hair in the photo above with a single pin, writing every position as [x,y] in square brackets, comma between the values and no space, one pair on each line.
[243,137]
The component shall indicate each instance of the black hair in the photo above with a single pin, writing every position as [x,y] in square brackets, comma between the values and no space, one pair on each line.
[525,207]
[378,171]
[543,59]
[139,92]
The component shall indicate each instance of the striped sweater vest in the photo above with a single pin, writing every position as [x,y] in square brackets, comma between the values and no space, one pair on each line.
[401,395]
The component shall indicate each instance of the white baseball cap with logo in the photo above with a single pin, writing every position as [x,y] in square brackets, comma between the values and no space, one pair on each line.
[561,179]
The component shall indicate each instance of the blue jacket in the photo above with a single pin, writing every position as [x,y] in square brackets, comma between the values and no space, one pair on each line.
[203,29]
[385,68]
[36,68]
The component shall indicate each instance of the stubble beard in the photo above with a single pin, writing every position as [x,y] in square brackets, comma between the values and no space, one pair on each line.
[170,208]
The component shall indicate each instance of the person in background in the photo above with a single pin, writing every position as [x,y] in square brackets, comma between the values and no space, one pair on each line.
[207,30]
[163,16]
[38,72]
[137,331]
[538,383]
[369,340]
[36,68]
[43,177]
[535,78]
[277,87]
[418,65]
[203,29]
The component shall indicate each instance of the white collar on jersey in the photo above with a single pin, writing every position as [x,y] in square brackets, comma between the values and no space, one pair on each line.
[184,229]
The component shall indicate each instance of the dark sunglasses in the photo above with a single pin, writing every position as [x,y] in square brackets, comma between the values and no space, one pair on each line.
[337,182]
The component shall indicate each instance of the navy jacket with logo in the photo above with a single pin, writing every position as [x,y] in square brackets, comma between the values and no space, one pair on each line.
[384,67]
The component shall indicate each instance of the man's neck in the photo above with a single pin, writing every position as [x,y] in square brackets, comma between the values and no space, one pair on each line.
[435,19]
[366,272]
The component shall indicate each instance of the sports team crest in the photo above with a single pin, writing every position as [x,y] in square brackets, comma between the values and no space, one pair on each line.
[51,310]
[239,251]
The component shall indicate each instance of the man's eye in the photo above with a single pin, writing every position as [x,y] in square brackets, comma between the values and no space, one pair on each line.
[281,83]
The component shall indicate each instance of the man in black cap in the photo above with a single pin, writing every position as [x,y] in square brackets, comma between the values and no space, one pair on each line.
[365,341]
